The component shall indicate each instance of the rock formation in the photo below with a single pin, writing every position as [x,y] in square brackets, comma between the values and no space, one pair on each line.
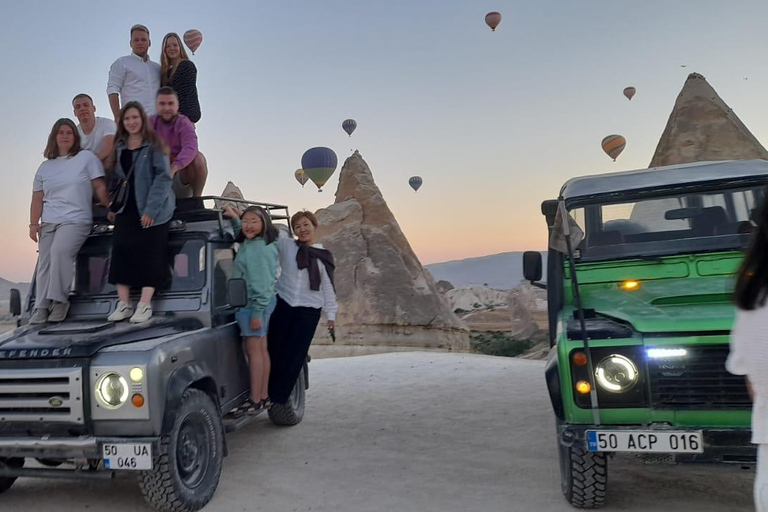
[703,128]
[528,312]
[386,297]
[444,286]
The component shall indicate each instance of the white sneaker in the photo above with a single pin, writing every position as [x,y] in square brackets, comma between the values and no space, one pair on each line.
[39,316]
[142,314]
[121,312]
[58,311]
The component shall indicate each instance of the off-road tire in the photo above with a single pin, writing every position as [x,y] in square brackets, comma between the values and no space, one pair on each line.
[584,476]
[188,466]
[292,412]
[7,481]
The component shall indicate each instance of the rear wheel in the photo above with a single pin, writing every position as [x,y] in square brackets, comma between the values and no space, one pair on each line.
[13,462]
[292,412]
[583,476]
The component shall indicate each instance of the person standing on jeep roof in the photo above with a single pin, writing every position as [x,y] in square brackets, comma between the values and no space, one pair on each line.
[140,239]
[304,289]
[749,346]
[177,71]
[62,195]
[256,263]
[97,134]
[134,77]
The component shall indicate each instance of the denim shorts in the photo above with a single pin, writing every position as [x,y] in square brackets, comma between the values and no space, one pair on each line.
[243,317]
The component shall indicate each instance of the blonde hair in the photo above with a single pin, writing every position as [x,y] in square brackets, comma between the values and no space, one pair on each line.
[140,28]
[166,73]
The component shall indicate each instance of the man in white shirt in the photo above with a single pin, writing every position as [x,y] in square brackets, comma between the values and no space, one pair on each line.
[97,134]
[134,77]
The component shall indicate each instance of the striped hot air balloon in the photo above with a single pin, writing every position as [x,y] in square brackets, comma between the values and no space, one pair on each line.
[613,145]
[349,126]
[193,38]
[319,164]
[301,177]
[415,183]
[629,92]
[492,19]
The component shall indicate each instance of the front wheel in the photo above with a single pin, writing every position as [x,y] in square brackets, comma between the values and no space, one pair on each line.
[187,468]
[292,412]
[584,476]
[12,462]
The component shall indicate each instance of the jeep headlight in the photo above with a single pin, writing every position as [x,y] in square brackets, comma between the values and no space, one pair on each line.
[112,390]
[616,374]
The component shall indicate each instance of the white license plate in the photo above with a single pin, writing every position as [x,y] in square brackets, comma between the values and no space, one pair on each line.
[644,441]
[133,456]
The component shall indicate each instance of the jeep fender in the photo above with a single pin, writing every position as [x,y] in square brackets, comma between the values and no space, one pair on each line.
[552,376]
[190,375]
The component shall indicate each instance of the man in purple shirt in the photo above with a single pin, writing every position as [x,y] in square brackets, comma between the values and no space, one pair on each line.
[188,166]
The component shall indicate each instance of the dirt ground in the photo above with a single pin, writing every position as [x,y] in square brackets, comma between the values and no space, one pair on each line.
[412,432]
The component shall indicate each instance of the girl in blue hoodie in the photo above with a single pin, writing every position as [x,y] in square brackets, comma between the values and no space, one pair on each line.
[256,263]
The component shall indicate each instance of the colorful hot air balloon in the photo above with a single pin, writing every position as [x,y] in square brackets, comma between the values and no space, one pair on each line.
[193,38]
[629,92]
[415,183]
[349,126]
[492,19]
[301,177]
[613,145]
[319,164]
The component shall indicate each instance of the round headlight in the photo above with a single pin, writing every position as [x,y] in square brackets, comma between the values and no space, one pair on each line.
[112,390]
[616,374]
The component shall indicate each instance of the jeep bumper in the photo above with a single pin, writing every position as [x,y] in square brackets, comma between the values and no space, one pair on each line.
[83,447]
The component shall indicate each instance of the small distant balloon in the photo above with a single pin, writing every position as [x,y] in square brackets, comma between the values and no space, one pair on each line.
[319,164]
[349,126]
[492,19]
[613,145]
[193,38]
[629,92]
[301,177]
[415,183]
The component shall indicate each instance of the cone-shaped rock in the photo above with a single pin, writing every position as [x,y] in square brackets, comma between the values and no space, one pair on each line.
[703,128]
[386,297]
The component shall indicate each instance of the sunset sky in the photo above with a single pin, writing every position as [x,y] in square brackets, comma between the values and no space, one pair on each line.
[493,122]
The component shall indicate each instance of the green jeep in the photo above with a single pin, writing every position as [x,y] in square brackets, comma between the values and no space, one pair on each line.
[640,314]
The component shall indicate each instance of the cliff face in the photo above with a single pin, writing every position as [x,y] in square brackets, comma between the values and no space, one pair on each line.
[702,127]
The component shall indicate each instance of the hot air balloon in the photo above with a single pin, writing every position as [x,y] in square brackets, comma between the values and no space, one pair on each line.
[613,145]
[193,38]
[301,177]
[415,183]
[629,92]
[492,19]
[349,126]
[319,164]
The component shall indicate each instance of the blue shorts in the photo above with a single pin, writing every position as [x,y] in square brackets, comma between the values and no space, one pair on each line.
[243,317]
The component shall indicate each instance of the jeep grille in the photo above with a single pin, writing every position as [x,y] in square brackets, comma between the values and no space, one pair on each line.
[40,395]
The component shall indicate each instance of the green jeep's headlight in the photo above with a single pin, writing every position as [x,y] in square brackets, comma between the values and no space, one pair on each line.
[616,374]
[112,390]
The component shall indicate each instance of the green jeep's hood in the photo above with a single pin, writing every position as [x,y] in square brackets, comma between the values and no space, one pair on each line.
[667,305]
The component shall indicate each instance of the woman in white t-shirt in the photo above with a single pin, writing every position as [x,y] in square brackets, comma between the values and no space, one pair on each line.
[61,217]
[749,346]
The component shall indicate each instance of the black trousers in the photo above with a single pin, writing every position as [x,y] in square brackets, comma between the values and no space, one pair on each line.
[291,330]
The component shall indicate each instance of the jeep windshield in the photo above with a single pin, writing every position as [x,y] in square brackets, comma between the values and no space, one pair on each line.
[684,223]
[186,262]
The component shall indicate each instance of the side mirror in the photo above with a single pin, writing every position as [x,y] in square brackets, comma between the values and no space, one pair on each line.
[15,302]
[532,266]
[237,293]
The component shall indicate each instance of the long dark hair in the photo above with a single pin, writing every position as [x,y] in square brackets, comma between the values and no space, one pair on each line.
[268,230]
[52,147]
[147,133]
[752,281]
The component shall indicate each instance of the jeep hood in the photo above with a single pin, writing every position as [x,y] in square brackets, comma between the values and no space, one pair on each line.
[84,338]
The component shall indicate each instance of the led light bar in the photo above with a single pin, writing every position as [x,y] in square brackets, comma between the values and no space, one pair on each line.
[665,353]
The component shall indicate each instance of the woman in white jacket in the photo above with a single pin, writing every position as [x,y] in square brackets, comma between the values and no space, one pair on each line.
[749,347]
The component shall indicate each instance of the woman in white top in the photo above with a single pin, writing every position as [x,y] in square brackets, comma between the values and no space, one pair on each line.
[62,198]
[304,289]
[749,347]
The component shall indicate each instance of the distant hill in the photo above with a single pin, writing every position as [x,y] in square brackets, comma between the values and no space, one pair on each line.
[5,288]
[503,271]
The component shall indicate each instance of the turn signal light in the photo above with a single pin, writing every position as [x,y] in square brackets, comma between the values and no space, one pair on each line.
[579,358]
[630,285]
[137,400]
[583,387]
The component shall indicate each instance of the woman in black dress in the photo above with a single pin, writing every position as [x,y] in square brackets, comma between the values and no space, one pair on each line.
[140,239]
[180,73]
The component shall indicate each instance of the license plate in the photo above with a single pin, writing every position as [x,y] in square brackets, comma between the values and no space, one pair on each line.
[644,441]
[132,456]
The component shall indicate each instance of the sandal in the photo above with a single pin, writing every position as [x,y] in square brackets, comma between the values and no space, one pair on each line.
[247,407]
[266,403]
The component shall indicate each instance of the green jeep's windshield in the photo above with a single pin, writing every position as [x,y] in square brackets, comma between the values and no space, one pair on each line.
[676,224]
